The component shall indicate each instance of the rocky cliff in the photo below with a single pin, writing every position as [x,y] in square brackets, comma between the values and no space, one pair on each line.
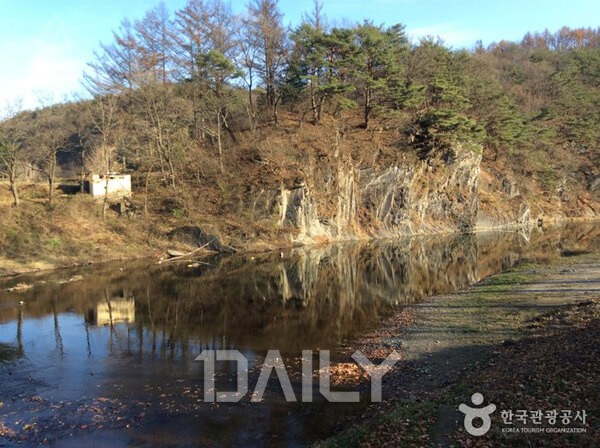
[439,194]
[457,190]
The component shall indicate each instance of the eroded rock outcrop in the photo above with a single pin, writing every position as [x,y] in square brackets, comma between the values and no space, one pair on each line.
[434,195]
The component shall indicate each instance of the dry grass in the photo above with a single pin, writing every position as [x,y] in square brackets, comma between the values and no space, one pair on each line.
[36,237]
[240,204]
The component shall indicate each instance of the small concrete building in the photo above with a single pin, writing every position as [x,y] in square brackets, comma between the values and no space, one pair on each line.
[117,185]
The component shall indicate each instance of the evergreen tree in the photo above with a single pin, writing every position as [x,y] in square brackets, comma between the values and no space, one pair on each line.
[377,63]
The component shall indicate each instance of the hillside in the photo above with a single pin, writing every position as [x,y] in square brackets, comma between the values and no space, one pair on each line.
[351,133]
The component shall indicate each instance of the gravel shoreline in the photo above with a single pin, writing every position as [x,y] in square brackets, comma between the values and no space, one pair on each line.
[526,339]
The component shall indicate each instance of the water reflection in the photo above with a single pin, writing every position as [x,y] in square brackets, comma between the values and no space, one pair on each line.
[131,330]
[112,311]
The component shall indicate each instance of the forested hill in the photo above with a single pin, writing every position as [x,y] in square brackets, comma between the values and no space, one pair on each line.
[221,117]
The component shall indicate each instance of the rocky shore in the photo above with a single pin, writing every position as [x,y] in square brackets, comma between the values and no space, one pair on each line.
[526,339]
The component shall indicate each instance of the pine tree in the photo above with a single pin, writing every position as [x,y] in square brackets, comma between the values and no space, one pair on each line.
[377,63]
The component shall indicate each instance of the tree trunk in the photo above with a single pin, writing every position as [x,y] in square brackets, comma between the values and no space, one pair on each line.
[250,107]
[172,172]
[13,186]
[320,105]
[276,110]
[368,101]
[313,103]
[105,201]
[219,143]
[82,173]
[51,178]
[146,192]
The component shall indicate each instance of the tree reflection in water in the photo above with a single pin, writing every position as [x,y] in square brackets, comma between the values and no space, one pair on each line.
[135,328]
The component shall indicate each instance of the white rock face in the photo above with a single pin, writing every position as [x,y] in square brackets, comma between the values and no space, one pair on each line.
[431,196]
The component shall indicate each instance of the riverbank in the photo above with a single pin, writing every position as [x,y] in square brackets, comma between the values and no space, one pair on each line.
[525,339]
[73,233]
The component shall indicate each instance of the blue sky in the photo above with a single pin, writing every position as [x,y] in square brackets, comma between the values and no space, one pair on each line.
[45,44]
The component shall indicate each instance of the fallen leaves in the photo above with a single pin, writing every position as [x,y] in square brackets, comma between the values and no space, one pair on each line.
[6,432]
[346,373]
[558,366]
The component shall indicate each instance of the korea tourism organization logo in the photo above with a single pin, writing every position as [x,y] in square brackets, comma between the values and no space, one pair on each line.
[483,413]
[478,419]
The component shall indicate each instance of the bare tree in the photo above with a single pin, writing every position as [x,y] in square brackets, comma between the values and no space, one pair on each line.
[190,45]
[219,67]
[316,18]
[117,68]
[200,27]
[10,159]
[155,43]
[141,53]
[50,135]
[82,134]
[221,25]
[206,50]
[11,136]
[267,35]
[165,128]
[103,113]
[248,60]
[190,39]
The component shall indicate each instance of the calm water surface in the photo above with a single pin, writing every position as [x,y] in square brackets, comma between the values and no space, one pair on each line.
[105,354]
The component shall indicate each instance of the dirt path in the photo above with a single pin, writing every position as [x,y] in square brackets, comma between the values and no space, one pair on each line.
[480,340]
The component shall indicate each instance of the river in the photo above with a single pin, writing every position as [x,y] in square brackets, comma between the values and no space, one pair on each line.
[106,354]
